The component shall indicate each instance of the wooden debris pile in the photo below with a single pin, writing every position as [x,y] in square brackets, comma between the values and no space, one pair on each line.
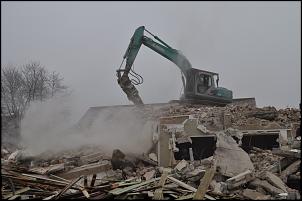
[138,178]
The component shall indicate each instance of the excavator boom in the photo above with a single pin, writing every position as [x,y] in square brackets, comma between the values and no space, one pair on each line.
[163,49]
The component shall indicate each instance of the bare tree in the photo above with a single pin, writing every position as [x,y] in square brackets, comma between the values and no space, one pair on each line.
[21,86]
[55,83]
[12,92]
[35,82]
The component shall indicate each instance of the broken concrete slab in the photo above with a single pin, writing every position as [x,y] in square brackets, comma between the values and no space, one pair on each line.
[231,160]
[194,175]
[276,181]
[281,164]
[48,170]
[91,158]
[292,168]
[234,133]
[254,195]
[239,179]
[267,186]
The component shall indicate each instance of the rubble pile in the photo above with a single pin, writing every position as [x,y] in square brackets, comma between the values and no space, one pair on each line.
[243,116]
[263,159]
[287,116]
[179,166]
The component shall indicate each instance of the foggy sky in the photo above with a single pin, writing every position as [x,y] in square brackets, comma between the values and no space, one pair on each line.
[254,46]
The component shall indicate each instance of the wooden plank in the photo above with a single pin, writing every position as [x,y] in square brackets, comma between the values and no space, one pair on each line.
[13,197]
[16,192]
[204,184]
[67,187]
[93,180]
[163,178]
[59,178]
[85,193]
[186,197]
[85,182]
[44,178]
[209,197]
[158,193]
[51,197]
[186,186]
[182,184]
[163,149]
[119,191]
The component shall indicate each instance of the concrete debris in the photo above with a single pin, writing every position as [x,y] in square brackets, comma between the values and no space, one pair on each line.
[15,155]
[268,113]
[119,160]
[294,153]
[239,179]
[276,181]
[149,175]
[254,195]
[181,165]
[267,186]
[199,152]
[202,128]
[217,187]
[231,159]
[265,160]
[291,169]
[153,157]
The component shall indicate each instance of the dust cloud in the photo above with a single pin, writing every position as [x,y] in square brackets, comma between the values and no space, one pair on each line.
[51,126]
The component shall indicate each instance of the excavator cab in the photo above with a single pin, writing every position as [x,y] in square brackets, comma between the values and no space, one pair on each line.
[202,86]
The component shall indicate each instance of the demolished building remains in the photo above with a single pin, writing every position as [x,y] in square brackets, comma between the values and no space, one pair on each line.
[197,152]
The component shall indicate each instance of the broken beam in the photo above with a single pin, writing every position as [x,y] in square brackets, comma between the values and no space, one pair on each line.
[286,153]
[204,184]
[86,170]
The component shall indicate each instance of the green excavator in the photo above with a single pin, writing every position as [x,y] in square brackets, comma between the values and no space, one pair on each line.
[200,86]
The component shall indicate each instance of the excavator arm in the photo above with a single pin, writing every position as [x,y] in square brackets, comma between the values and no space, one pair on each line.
[161,48]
